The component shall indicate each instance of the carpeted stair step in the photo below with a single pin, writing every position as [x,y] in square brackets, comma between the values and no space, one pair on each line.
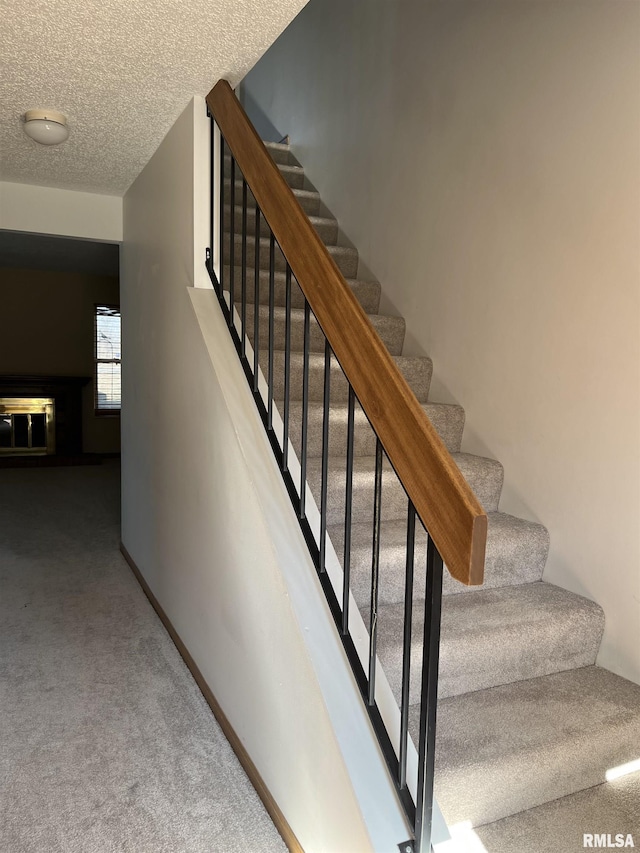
[280,152]
[416,370]
[366,292]
[326,227]
[293,174]
[511,748]
[483,475]
[390,329]
[612,808]
[345,257]
[309,200]
[495,636]
[516,554]
[448,421]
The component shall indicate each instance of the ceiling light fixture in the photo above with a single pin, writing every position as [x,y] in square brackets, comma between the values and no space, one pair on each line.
[47,127]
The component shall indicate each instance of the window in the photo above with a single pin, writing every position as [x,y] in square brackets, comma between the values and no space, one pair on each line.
[107,359]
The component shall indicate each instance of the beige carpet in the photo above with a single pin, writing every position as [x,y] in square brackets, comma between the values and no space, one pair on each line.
[106,743]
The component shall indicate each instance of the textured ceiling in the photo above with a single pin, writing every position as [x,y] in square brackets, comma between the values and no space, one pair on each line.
[122,71]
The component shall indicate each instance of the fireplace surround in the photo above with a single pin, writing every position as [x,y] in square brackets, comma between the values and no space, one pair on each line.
[41,415]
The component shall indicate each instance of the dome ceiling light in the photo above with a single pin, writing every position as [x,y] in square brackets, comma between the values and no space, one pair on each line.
[47,127]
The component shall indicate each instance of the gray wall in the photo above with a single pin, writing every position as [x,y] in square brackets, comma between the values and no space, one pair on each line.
[483,156]
[48,329]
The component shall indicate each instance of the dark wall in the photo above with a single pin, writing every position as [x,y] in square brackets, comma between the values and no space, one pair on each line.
[46,328]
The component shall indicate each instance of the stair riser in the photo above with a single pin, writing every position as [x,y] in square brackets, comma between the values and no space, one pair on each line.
[293,175]
[417,372]
[524,549]
[518,746]
[327,229]
[391,331]
[394,499]
[486,641]
[516,553]
[309,201]
[513,655]
[393,557]
[346,259]
[485,476]
[448,426]
[280,153]
[393,504]
[366,292]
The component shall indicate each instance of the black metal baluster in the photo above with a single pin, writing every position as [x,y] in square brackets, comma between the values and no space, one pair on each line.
[406,645]
[221,223]
[232,241]
[348,506]
[420,814]
[244,268]
[305,410]
[375,568]
[212,217]
[428,701]
[287,366]
[325,455]
[272,251]
[256,302]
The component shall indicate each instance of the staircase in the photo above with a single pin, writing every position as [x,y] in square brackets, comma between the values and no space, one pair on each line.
[524,716]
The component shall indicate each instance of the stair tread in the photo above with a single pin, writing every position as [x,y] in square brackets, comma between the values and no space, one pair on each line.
[345,257]
[297,191]
[465,461]
[309,199]
[447,418]
[290,167]
[283,166]
[611,808]
[280,276]
[416,370]
[315,220]
[366,292]
[293,173]
[503,750]
[325,226]
[516,554]
[390,329]
[511,539]
[264,244]
[483,475]
[496,636]
[277,146]
[482,470]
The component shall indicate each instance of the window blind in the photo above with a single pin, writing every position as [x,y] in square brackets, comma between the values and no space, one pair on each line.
[107,358]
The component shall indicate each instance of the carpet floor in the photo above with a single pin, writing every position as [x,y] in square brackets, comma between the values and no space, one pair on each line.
[106,743]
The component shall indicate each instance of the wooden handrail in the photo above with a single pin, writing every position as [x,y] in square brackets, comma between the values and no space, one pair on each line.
[442,497]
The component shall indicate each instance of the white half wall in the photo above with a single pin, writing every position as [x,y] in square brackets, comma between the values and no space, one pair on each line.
[206,518]
[484,157]
[67,213]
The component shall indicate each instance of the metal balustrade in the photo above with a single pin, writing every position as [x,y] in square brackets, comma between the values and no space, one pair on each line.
[257,357]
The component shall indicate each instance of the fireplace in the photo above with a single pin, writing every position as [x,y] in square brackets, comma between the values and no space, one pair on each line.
[27,426]
[41,415]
